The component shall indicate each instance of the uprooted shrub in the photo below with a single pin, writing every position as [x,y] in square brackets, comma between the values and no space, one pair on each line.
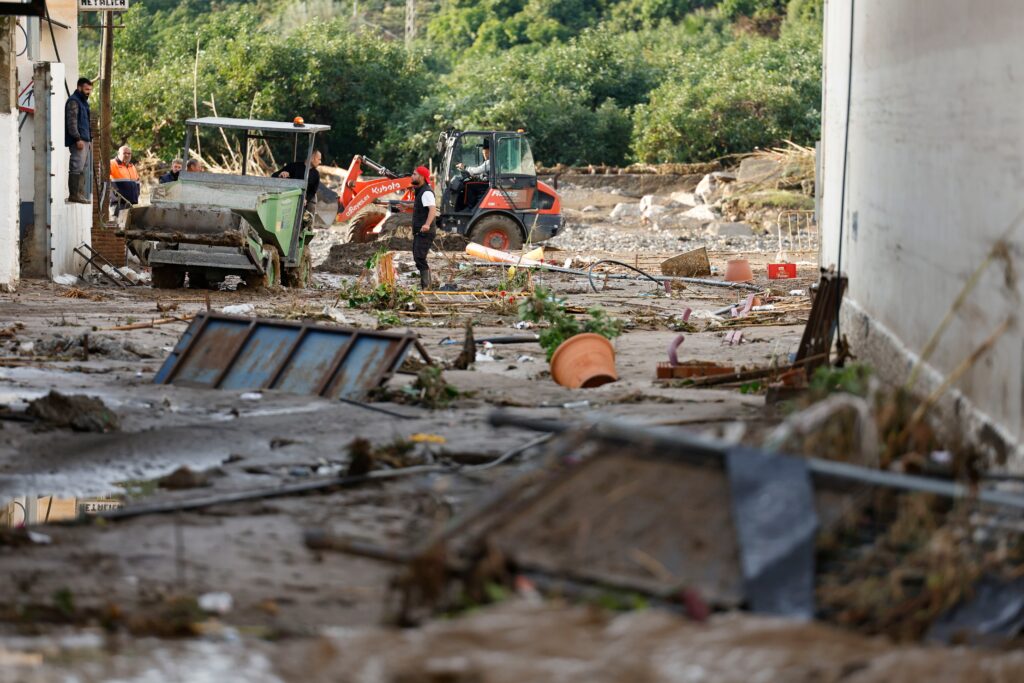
[543,307]
[430,390]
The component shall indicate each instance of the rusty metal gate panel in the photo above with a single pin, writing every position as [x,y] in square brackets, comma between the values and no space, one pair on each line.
[229,352]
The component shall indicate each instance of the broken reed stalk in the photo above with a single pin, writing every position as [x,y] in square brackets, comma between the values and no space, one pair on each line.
[957,373]
[933,341]
[146,325]
[998,250]
[282,491]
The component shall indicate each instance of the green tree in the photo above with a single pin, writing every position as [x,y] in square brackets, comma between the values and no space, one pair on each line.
[359,84]
[755,92]
[593,81]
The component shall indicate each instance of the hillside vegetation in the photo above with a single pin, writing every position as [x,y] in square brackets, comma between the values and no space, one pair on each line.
[599,81]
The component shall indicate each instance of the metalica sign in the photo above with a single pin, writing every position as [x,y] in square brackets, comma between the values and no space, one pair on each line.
[102,5]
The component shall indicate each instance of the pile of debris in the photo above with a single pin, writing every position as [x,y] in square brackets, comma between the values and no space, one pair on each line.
[907,556]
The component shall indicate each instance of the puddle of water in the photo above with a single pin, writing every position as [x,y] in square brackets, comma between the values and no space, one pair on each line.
[268,412]
[87,658]
[20,398]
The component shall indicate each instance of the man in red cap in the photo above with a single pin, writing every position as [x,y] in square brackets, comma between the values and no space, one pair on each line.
[424,210]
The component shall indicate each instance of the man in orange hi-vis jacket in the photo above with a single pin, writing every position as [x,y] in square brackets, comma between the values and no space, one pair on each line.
[124,178]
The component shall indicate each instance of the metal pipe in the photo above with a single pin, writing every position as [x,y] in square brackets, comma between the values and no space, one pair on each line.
[679,443]
[620,276]
[264,493]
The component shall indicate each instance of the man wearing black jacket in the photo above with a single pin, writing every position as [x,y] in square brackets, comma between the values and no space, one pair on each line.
[171,175]
[78,138]
[424,211]
[297,169]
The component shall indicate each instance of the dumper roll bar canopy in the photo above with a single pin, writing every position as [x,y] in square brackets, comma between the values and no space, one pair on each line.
[255,129]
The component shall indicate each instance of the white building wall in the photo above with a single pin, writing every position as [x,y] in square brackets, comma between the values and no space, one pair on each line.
[935,176]
[71,224]
[9,203]
[66,12]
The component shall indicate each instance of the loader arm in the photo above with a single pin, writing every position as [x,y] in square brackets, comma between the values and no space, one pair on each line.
[348,188]
[351,186]
[371,191]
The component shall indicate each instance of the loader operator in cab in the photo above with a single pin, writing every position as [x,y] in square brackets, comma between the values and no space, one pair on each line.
[424,210]
[482,170]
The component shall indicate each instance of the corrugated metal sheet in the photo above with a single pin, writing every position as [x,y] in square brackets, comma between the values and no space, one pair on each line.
[228,352]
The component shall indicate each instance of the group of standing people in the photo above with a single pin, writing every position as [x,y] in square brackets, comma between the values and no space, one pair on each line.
[124,175]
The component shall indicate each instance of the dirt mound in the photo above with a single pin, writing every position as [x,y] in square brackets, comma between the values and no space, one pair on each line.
[80,413]
[351,258]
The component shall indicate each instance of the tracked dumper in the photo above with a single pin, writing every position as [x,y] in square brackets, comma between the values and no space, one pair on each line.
[211,225]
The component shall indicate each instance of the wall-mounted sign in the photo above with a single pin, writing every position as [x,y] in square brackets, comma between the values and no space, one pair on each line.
[102,5]
[92,507]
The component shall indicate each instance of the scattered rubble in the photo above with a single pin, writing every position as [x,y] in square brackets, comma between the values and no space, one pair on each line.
[725,229]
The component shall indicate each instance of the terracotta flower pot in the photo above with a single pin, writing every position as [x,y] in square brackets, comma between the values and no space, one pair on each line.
[584,361]
[738,270]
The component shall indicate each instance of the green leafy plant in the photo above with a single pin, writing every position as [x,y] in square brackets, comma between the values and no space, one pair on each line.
[752,387]
[850,379]
[542,306]
[64,602]
[386,319]
[517,282]
[430,389]
[382,297]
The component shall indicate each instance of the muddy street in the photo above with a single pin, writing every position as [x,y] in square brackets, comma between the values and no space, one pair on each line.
[431,528]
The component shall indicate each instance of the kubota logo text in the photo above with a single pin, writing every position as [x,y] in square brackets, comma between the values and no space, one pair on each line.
[386,189]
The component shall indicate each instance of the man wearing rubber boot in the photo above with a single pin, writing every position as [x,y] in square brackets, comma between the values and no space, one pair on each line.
[424,210]
[78,138]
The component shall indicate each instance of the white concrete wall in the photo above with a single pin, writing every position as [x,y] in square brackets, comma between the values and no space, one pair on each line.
[9,203]
[935,175]
[71,224]
[66,12]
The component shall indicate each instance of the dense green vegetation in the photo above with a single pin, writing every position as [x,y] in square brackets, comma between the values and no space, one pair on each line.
[593,81]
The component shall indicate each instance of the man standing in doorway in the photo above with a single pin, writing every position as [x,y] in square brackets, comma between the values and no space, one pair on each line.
[424,210]
[78,138]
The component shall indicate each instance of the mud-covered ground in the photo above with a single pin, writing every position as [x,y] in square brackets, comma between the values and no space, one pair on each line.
[97,601]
